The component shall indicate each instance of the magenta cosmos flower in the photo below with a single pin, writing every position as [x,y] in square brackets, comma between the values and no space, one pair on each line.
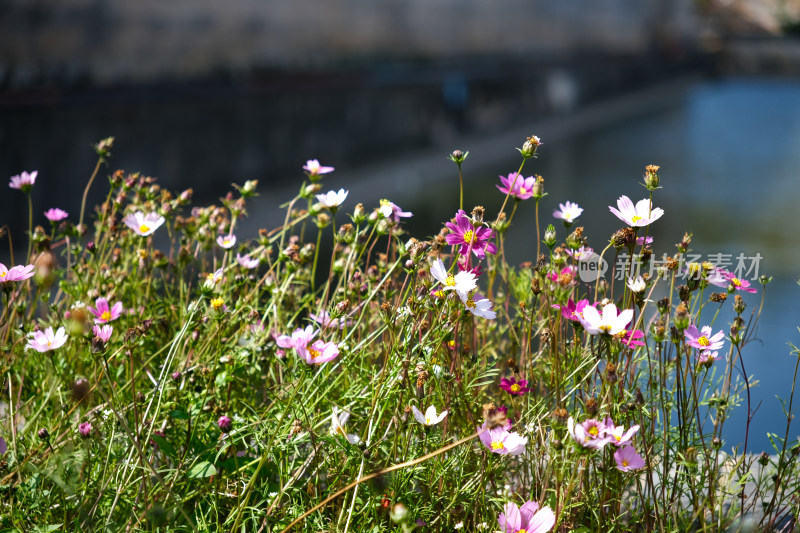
[517,186]
[468,237]
[609,323]
[573,311]
[528,518]
[55,214]
[632,338]
[143,224]
[627,459]
[44,341]
[313,168]
[225,423]
[514,387]
[568,212]
[390,210]
[319,352]
[85,429]
[738,284]
[105,314]
[640,215]
[324,319]
[589,434]
[499,440]
[24,182]
[702,339]
[16,273]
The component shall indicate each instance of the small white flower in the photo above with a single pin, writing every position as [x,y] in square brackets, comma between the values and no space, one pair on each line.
[464,281]
[636,284]
[142,224]
[245,261]
[332,199]
[227,241]
[430,418]
[478,306]
[568,212]
[338,420]
[212,280]
[608,323]
[640,215]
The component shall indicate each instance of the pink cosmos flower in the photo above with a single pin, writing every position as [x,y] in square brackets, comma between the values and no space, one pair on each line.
[55,214]
[227,241]
[300,338]
[568,212]
[325,320]
[617,434]
[430,418]
[564,277]
[517,186]
[143,224]
[609,323]
[85,429]
[738,284]
[702,339]
[499,440]
[581,254]
[16,273]
[627,459]
[44,341]
[477,306]
[574,311]
[589,434]
[632,338]
[103,313]
[225,423]
[640,215]
[528,518]
[245,261]
[103,332]
[644,240]
[468,237]
[391,210]
[319,352]
[313,168]
[514,387]
[707,357]
[24,181]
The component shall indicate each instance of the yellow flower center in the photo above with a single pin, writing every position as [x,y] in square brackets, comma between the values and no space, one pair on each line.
[703,341]
[497,445]
[450,281]
[217,303]
[451,344]
[522,531]
[522,190]
[3,274]
[618,437]
[106,315]
[625,462]
[427,421]
[144,228]
[736,282]
[470,237]
[605,328]
[470,303]
[514,388]
[439,294]
[314,353]
[593,431]
[636,218]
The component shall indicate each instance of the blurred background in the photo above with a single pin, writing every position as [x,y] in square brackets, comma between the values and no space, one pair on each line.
[202,94]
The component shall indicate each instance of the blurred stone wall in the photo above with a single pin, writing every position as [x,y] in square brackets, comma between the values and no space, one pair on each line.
[109,41]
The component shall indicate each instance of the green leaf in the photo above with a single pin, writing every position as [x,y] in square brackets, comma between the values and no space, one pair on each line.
[201,470]
[179,414]
[48,529]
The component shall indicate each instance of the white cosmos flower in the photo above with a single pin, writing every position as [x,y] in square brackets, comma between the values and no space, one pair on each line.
[640,215]
[142,224]
[227,241]
[464,281]
[568,212]
[477,306]
[245,261]
[609,322]
[430,418]
[338,420]
[332,199]
[636,284]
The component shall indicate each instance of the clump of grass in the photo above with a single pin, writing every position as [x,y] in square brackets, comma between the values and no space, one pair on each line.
[162,372]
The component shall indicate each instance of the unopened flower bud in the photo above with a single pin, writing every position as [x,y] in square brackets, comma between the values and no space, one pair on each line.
[591,407]
[91,247]
[358,213]
[684,293]
[682,316]
[529,147]
[550,236]
[738,304]
[225,423]
[44,434]
[458,156]
[663,305]
[538,187]
[575,239]
[104,146]
[611,373]
[651,179]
